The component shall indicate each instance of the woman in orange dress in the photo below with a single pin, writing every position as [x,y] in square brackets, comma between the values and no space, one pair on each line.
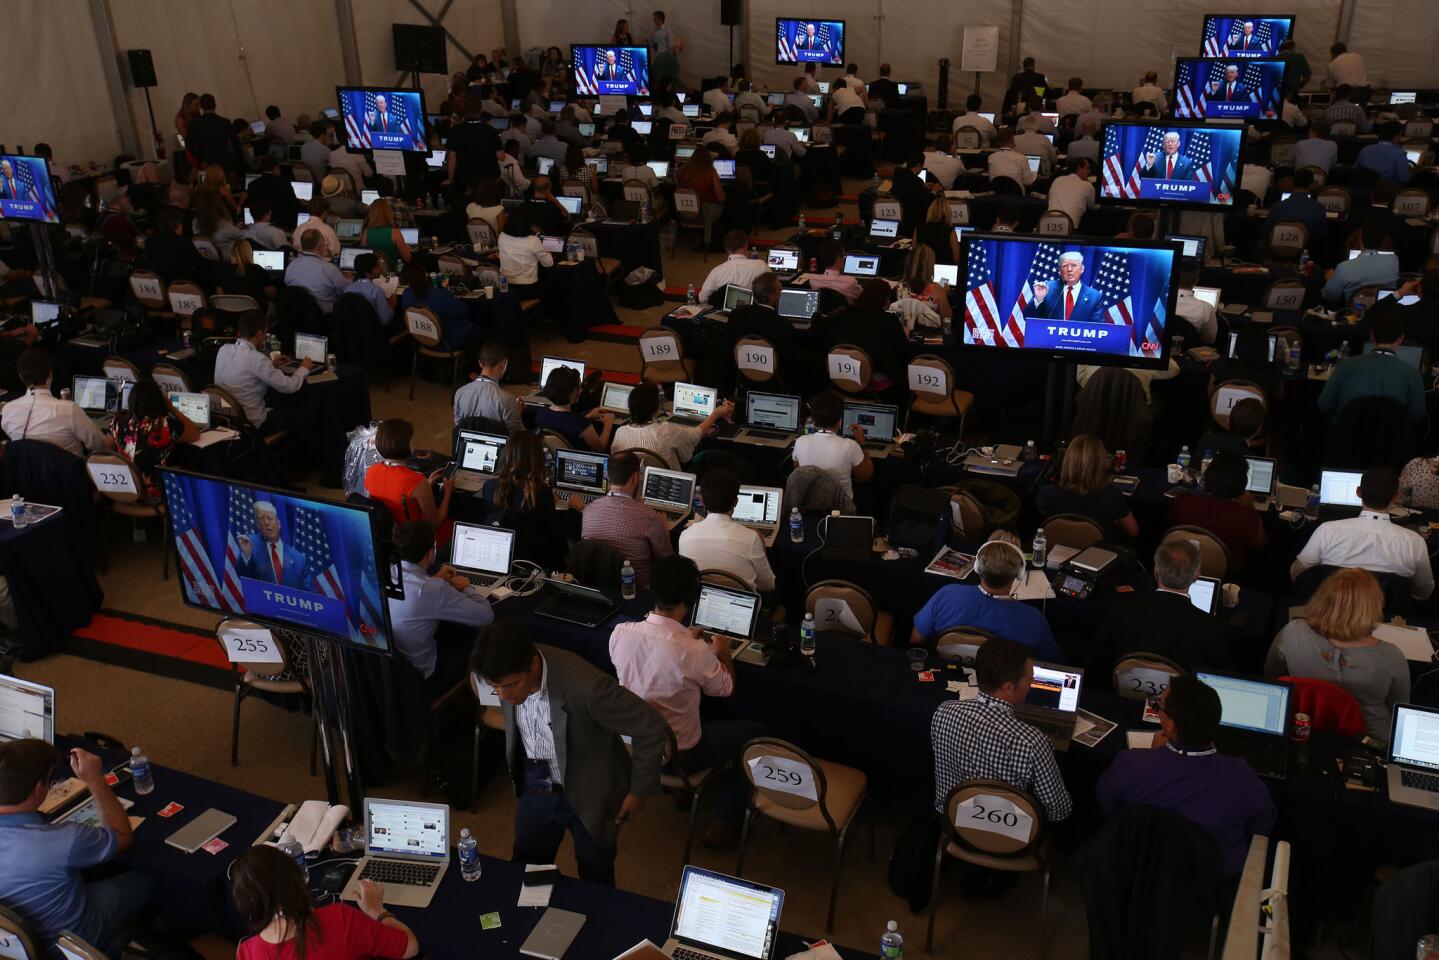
[404,491]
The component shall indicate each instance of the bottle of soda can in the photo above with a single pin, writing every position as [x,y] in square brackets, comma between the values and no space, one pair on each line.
[1120,460]
[813,265]
[1428,948]
[1302,725]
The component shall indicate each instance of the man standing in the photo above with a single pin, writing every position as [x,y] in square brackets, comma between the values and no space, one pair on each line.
[1073,301]
[606,69]
[1169,164]
[211,139]
[474,150]
[276,561]
[564,721]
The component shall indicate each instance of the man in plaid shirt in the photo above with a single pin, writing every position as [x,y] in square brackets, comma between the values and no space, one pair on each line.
[982,738]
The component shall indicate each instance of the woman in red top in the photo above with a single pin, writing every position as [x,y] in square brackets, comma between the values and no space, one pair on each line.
[699,175]
[272,897]
[1225,509]
[405,492]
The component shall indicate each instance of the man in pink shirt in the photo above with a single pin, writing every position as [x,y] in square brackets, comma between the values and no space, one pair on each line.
[831,254]
[670,666]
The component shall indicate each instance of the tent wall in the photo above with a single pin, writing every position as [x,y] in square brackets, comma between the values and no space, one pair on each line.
[1399,40]
[476,24]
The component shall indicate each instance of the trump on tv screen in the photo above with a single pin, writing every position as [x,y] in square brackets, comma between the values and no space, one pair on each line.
[1228,89]
[302,563]
[383,119]
[616,71]
[1170,162]
[1244,36]
[26,190]
[1098,299]
[809,41]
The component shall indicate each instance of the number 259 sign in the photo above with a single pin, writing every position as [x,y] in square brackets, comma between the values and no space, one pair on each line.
[994,815]
[783,775]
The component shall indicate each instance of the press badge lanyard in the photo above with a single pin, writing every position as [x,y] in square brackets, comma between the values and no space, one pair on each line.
[1191,753]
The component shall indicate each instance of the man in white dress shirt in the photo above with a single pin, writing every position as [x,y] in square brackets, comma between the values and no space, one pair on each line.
[1149,91]
[1006,161]
[737,269]
[1074,102]
[717,98]
[1201,316]
[1073,193]
[246,372]
[719,543]
[971,118]
[40,415]
[1370,540]
[842,100]
[941,162]
[1345,68]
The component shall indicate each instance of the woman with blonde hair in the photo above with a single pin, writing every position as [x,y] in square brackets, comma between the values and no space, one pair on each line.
[215,219]
[245,277]
[937,231]
[383,236]
[1335,642]
[1085,488]
[919,281]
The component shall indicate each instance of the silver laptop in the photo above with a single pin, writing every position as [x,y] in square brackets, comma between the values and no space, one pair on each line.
[1260,483]
[784,261]
[718,917]
[728,612]
[477,457]
[1052,702]
[735,296]
[27,710]
[99,397]
[482,554]
[1340,488]
[883,230]
[615,398]
[580,473]
[548,366]
[759,509]
[771,419]
[671,492]
[1414,756]
[311,347]
[878,421]
[692,404]
[407,848]
[349,255]
[195,407]
[348,231]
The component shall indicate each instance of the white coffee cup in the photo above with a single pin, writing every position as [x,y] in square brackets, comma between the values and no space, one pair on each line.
[489,293]
[1175,472]
[1230,593]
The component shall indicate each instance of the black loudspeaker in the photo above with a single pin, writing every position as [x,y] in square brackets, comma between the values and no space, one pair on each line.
[417,48]
[142,69]
[731,12]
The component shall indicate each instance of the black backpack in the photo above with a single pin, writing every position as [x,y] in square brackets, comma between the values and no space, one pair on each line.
[918,518]
[911,866]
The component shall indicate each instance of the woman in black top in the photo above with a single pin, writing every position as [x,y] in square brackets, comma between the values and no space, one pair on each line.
[520,499]
[1084,488]
[244,277]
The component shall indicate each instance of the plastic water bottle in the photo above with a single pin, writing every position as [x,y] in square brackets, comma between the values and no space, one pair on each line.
[1030,452]
[1294,358]
[891,945]
[18,517]
[1184,458]
[808,425]
[690,296]
[292,849]
[1343,350]
[801,222]
[1204,464]
[1039,549]
[469,850]
[699,503]
[1304,261]
[796,526]
[806,636]
[140,773]
[627,581]
[1311,506]
[504,284]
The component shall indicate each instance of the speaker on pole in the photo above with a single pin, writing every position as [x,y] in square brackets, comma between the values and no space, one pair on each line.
[142,69]
[731,12]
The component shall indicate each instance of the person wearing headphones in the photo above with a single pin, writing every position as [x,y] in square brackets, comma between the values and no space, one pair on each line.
[989,606]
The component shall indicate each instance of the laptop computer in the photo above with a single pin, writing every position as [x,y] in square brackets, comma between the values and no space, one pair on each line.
[878,421]
[946,273]
[581,473]
[615,398]
[684,151]
[576,603]
[411,235]
[349,255]
[798,305]
[544,165]
[718,917]
[436,159]
[1204,594]
[1052,702]
[1414,756]
[407,848]
[769,149]
[728,612]
[1340,488]
[671,492]
[195,407]
[483,554]
[861,264]
[1253,721]
[26,710]
[309,346]
[44,314]
[692,404]
[1191,248]
[661,168]
[99,397]
[725,169]
[547,366]
[883,229]
[759,509]
[847,538]
[1233,348]
[1260,483]
[477,457]
[574,206]
[271,261]
[600,165]
[1410,353]
[302,189]
[552,244]
[771,419]
[735,296]
[784,261]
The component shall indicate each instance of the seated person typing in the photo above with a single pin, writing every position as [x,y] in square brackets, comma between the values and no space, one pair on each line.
[675,442]
[623,521]
[40,415]
[719,543]
[1245,435]
[738,268]
[1225,509]
[246,372]
[1379,373]
[484,397]
[421,621]
[593,430]
[845,458]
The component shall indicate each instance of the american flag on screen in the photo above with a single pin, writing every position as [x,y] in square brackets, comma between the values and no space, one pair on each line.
[1112,282]
[312,540]
[195,564]
[28,189]
[1214,45]
[1045,266]
[786,46]
[242,521]
[981,314]
[1200,150]
[360,132]
[1116,183]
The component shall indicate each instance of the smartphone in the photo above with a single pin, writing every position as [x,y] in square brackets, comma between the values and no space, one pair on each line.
[539,878]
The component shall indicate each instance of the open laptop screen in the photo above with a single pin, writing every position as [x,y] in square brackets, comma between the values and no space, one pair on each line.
[671,488]
[737,296]
[26,710]
[757,505]
[861,265]
[581,471]
[694,401]
[408,829]
[1416,737]
[44,312]
[723,610]
[889,229]
[1201,594]
[616,396]
[572,205]
[877,420]
[194,406]
[1192,247]
[772,411]
[1055,688]
[1261,476]
[1256,705]
[482,548]
[478,451]
[1339,488]
[798,303]
[735,916]
[783,259]
[548,365]
[96,394]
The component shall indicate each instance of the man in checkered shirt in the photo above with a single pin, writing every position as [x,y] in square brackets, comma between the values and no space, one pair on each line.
[982,738]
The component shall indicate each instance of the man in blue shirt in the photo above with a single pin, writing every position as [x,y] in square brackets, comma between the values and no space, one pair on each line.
[1302,207]
[1378,373]
[1386,158]
[316,274]
[1372,267]
[367,271]
[41,878]
[989,606]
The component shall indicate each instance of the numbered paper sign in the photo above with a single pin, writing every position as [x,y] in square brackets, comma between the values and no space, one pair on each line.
[251,645]
[185,303]
[422,326]
[1054,227]
[488,696]
[390,163]
[112,478]
[170,383]
[756,357]
[784,775]
[636,194]
[833,613]
[1142,680]
[844,367]
[926,379]
[994,815]
[887,210]
[11,948]
[1411,206]
[958,214]
[1285,299]
[659,349]
[1287,235]
[147,288]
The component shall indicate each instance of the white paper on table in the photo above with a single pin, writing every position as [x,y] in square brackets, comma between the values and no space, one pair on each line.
[536,896]
[215,435]
[1081,726]
[1035,587]
[1413,641]
[1139,739]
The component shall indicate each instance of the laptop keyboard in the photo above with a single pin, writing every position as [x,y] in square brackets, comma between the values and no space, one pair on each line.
[395,871]
[1419,781]
[685,953]
[1054,729]
[766,434]
[585,498]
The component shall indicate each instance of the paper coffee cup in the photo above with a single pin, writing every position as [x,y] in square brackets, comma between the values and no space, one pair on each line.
[1231,594]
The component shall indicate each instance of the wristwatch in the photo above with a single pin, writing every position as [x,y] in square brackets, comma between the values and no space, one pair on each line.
[386,915]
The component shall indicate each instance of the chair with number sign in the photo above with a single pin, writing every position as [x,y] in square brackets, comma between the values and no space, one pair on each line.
[722,578]
[1213,554]
[72,946]
[23,941]
[288,677]
[1018,849]
[875,625]
[481,234]
[170,378]
[967,138]
[1335,200]
[936,394]
[429,339]
[488,716]
[1287,240]
[1055,223]
[185,290]
[1287,295]
[648,458]
[886,207]
[148,289]
[750,371]
[1225,395]
[962,643]
[1129,683]
[224,403]
[118,368]
[690,215]
[126,496]
[850,359]
[689,785]
[1286,336]
[662,357]
[609,267]
[838,793]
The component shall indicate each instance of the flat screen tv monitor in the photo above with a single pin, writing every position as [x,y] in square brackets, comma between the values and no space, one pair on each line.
[604,70]
[280,558]
[1228,89]
[1086,300]
[26,190]
[1176,162]
[1245,35]
[809,41]
[378,118]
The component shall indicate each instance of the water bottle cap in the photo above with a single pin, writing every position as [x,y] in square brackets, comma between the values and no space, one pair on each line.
[464,832]
[134,751]
[892,925]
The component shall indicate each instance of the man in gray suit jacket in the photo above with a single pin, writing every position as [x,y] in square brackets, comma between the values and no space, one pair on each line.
[563,724]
